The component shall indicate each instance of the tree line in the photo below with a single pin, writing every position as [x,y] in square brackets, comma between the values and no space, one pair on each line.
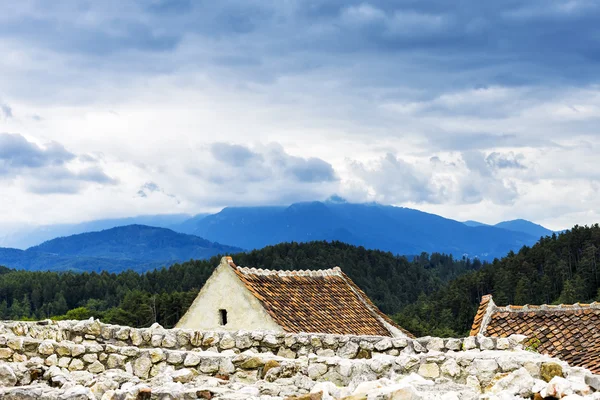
[163,295]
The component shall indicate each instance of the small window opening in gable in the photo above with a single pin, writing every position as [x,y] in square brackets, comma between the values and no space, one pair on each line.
[223,317]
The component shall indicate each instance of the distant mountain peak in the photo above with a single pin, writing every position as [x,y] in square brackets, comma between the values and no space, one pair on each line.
[134,246]
[522,225]
[336,199]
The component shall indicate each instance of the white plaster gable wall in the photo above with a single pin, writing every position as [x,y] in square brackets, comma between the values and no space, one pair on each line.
[224,290]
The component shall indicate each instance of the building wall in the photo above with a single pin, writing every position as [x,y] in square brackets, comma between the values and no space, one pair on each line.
[223,290]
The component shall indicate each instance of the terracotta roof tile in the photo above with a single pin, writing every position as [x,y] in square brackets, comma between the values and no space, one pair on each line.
[569,332]
[324,301]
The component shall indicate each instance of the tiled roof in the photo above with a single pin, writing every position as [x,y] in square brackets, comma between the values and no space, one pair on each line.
[324,301]
[569,332]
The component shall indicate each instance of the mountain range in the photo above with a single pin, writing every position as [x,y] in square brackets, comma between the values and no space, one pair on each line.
[28,236]
[396,229]
[136,247]
[119,244]
[518,225]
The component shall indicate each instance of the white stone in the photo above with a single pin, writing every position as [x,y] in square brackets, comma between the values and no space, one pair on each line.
[169,341]
[469,343]
[429,370]
[77,350]
[349,350]
[383,344]
[316,370]
[46,347]
[473,383]
[157,355]
[77,393]
[328,390]
[191,359]
[115,361]
[184,375]
[485,343]
[76,365]
[96,367]
[450,368]
[502,343]
[7,376]
[435,344]
[51,360]
[142,366]
[557,387]
[518,382]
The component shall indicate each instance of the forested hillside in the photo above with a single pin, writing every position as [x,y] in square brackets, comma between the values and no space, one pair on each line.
[163,295]
[558,269]
[434,295]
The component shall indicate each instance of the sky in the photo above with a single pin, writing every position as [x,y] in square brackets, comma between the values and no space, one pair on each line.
[470,109]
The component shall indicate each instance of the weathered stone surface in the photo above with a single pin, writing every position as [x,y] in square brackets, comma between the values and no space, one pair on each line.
[136,337]
[77,350]
[227,342]
[169,340]
[450,368]
[63,349]
[5,353]
[175,357]
[316,370]
[252,363]
[383,344]
[435,344]
[96,367]
[210,338]
[469,343]
[76,365]
[7,376]
[15,344]
[486,343]
[191,359]
[209,365]
[157,355]
[142,366]
[240,371]
[502,343]
[453,344]
[549,370]
[517,383]
[349,350]
[184,375]
[429,370]
[46,347]
[115,361]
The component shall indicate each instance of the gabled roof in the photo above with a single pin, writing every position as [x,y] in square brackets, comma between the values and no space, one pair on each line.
[324,301]
[569,332]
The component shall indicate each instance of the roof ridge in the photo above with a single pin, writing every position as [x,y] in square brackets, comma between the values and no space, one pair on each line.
[336,271]
[548,307]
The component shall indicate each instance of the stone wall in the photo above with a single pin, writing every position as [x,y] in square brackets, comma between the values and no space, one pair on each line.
[103,361]
[283,344]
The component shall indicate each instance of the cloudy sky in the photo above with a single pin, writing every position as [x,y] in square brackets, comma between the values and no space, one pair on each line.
[469,109]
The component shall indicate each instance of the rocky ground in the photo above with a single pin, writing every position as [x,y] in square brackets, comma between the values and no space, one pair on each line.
[45,362]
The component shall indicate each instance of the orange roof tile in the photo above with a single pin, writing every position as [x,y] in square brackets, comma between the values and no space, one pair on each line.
[569,332]
[324,301]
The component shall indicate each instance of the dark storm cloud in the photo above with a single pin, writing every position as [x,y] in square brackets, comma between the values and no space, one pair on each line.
[507,42]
